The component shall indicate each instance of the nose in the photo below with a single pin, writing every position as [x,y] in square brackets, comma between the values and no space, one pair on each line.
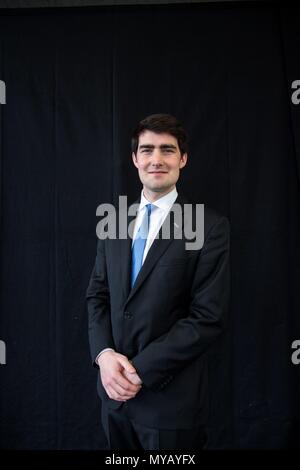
[157,157]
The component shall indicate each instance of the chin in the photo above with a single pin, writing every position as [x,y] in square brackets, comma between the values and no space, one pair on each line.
[159,189]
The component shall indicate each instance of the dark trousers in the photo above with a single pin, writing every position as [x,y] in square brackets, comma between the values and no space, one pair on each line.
[123,433]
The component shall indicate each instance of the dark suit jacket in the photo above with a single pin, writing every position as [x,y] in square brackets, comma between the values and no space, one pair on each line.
[166,323]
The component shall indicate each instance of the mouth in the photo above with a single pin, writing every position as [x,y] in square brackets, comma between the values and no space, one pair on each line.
[157,172]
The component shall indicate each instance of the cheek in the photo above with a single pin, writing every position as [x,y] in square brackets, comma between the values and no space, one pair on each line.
[142,170]
[175,169]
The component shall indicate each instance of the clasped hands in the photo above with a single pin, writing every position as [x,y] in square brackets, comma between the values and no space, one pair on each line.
[118,376]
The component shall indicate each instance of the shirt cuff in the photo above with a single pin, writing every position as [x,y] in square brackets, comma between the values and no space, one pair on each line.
[101,352]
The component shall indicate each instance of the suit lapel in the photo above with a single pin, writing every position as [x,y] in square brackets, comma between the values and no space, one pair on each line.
[125,261]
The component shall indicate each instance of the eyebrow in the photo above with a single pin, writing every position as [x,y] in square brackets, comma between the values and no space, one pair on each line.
[163,146]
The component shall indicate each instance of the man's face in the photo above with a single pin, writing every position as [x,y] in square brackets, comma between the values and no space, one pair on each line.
[158,161]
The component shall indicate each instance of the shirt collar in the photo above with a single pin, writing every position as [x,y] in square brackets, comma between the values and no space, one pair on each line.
[165,202]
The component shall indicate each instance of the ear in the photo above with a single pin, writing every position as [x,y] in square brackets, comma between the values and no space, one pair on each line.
[183,160]
[134,159]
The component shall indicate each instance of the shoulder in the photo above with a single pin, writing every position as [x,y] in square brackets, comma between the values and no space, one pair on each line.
[212,218]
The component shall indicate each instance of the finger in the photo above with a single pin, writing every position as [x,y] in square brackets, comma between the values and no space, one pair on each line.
[126,364]
[113,395]
[133,378]
[122,392]
[122,381]
[118,393]
[126,384]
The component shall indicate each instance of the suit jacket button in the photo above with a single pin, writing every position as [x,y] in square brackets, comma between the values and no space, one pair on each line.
[127,315]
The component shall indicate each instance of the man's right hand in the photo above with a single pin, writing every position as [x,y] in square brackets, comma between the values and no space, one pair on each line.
[112,365]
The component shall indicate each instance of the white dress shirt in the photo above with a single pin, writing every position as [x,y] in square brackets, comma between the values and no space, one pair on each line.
[160,209]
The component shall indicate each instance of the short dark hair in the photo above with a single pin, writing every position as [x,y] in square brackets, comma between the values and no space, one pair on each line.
[161,123]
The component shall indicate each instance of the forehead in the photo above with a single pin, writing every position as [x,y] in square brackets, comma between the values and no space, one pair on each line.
[152,138]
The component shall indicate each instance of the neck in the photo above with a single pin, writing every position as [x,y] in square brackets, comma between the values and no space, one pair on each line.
[153,196]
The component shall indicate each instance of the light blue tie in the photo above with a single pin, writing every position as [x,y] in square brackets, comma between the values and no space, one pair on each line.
[139,244]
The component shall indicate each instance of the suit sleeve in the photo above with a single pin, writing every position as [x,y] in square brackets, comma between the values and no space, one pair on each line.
[98,303]
[191,336]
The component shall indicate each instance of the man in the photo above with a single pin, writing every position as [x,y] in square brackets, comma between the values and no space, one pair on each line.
[155,306]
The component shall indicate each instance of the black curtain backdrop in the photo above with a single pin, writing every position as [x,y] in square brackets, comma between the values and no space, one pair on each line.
[77,82]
